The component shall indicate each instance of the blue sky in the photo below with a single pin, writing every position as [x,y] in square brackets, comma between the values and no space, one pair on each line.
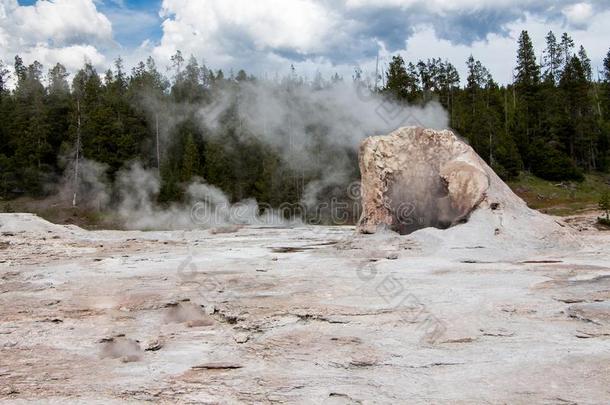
[134,20]
[267,36]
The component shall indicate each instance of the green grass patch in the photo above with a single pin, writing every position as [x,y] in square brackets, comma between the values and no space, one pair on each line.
[561,198]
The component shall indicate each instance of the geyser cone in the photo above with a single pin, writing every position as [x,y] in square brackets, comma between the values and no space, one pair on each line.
[417,178]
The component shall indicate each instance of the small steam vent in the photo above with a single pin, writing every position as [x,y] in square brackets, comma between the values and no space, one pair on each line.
[417,178]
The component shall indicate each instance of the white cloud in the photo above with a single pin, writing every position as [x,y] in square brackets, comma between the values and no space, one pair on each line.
[578,15]
[498,52]
[269,35]
[224,31]
[266,36]
[72,57]
[64,31]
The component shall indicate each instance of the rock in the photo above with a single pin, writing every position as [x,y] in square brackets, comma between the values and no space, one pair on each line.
[217,366]
[154,345]
[597,313]
[417,178]
[241,337]
[209,309]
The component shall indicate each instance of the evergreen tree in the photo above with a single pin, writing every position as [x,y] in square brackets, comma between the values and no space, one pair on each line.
[606,86]
[527,80]
[606,71]
[399,82]
[566,46]
[586,63]
[58,111]
[30,127]
[553,120]
[528,71]
[4,76]
[577,131]
[190,162]
[553,58]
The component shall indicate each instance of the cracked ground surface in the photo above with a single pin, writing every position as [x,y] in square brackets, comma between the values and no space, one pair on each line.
[302,315]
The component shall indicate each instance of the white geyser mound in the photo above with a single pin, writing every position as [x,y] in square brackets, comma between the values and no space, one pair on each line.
[434,186]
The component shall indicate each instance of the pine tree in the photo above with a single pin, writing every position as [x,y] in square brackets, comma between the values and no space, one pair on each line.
[190,161]
[566,46]
[606,88]
[607,67]
[528,71]
[58,110]
[527,80]
[579,118]
[586,63]
[553,58]
[20,69]
[397,79]
[30,126]
[4,77]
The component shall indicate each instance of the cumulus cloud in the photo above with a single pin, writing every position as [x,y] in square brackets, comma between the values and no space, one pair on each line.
[66,31]
[223,31]
[267,36]
[257,35]
[578,15]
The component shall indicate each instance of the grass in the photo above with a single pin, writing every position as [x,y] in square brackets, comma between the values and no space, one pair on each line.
[561,198]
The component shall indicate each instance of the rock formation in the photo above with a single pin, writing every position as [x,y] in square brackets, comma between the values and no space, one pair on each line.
[418,178]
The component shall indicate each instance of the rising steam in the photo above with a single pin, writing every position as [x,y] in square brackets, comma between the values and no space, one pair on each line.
[279,115]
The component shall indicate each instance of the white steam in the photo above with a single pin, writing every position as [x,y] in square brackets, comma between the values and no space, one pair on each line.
[313,129]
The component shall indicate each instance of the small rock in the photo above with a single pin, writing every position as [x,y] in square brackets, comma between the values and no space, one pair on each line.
[154,345]
[392,256]
[241,337]
[217,366]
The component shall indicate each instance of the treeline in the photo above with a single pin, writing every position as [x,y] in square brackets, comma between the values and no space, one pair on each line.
[553,120]
[118,118]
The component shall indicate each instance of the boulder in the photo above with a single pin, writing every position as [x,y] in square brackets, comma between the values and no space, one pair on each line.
[417,178]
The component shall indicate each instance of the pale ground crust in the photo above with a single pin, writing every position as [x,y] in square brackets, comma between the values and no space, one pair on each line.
[305,315]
